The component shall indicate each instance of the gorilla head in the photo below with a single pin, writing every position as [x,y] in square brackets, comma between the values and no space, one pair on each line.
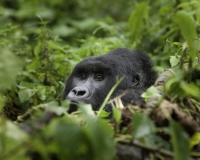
[92,78]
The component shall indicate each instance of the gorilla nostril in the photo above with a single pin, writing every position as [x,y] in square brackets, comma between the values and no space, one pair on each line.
[74,91]
[80,93]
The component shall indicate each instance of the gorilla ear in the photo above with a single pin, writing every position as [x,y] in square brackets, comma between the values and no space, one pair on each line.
[135,80]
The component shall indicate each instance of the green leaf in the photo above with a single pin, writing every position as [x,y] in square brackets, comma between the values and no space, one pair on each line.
[191,89]
[53,106]
[37,49]
[195,140]
[150,92]
[19,135]
[94,140]
[180,142]
[100,135]
[2,100]
[11,134]
[187,27]
[87,110]
[156,141]
[143,126]
[104,114]
[10,65]
[41,90]
[116,115]
[174,61]
[69,138]
[186,24]
[172,86]
[26,94]
[136,20]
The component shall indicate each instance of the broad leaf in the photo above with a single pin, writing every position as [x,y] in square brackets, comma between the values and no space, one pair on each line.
[174,61]
[186,25]
[187,28]
[180,141]
[143,126]
[10,65]
[151,92]
[117,115]
[136,20]
[195,140]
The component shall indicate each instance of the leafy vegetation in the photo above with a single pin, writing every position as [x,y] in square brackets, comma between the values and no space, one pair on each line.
[41,41]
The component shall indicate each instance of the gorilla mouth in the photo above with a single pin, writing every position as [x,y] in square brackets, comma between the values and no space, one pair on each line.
[76,103]
[74,106]
[73,102]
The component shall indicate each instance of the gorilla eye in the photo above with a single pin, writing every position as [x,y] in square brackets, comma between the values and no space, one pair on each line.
[99,77]
[82,76]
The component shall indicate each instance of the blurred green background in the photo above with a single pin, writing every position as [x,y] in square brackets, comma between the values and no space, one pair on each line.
[42,40]
[45,39]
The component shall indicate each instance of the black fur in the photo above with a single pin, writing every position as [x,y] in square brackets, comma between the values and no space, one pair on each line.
[134,66]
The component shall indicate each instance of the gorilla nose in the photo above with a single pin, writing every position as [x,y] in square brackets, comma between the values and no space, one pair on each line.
[78,93]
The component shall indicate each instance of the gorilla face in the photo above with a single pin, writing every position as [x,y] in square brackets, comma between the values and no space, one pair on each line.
[90,82]
[92,78]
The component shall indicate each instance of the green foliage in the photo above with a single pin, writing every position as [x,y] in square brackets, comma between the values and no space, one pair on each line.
[150,92]
[41,42]
[136,21]
[180,142]
[7,137]
[80,140]
[194,140]
[142,125]
[144,131]
[9,69]
[188,29]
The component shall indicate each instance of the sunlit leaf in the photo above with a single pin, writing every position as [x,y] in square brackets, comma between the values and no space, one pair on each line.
[151,92]
[10,128]
[116,115]
[195,140]
[87,110]
[11,134]
[174,61]
[104,114]
[191,89]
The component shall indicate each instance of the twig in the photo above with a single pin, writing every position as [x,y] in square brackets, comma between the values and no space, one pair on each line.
[150,148]
[108,96]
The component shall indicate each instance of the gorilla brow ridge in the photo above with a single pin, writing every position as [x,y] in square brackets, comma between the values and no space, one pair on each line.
[94,66]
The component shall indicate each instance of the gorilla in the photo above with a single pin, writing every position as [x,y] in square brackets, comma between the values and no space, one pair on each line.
[93,78]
